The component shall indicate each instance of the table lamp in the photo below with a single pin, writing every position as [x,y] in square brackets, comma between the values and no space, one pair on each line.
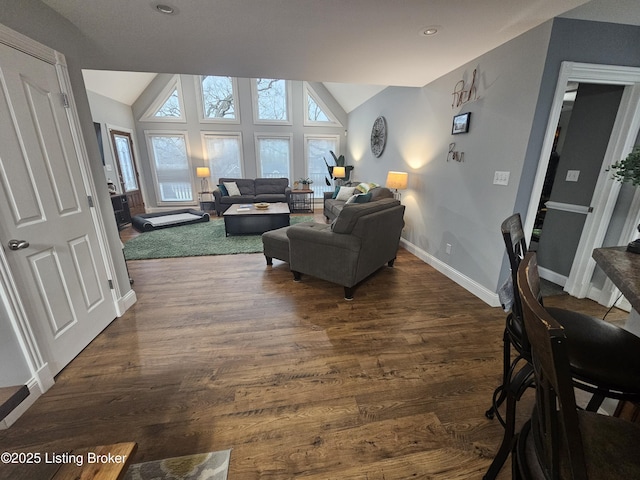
[204,173]
[339,173]
[397,181]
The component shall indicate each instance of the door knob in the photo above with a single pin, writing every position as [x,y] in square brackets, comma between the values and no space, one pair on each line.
[18,244]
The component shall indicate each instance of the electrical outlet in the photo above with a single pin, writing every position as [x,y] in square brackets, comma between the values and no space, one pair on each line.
[501,178]
[447,249]
[572,175]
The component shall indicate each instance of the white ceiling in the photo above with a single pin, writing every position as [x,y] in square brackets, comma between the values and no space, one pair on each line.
[375,43]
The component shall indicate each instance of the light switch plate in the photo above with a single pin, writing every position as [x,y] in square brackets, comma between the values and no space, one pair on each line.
[501,178]
[572,175]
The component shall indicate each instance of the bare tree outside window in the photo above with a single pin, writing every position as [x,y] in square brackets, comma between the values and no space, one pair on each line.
[315,112]
[170,108]
[217,97]
[272,99]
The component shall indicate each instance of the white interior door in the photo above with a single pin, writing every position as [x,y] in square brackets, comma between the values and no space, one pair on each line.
[46,226]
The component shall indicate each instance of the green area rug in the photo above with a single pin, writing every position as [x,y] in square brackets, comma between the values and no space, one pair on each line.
[204,466]
[194,240]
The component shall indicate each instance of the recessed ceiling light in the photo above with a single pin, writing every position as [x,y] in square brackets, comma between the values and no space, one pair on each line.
[166,9]
[428,31]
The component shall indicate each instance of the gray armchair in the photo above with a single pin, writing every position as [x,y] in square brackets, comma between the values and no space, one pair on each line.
[363,238]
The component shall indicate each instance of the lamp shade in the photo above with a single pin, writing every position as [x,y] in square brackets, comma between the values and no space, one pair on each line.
[339,172]
[397,180]
[203,172]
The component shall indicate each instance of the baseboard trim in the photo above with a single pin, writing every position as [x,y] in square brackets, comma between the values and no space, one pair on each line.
[37,385]
[473,287]
[125,303]
[552,276]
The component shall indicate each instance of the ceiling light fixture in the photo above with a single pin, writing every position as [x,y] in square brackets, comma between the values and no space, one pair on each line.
[166,9]
[428,31]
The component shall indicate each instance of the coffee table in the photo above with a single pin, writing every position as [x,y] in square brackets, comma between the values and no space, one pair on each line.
[240,220]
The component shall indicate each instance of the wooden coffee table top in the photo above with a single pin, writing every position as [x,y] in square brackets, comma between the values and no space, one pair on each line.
[274,208]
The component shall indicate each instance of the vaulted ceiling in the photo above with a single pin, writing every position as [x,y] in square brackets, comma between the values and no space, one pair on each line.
[363,42]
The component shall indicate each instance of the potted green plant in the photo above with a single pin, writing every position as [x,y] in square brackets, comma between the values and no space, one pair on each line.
[305,182]
[628,171]
[339,162]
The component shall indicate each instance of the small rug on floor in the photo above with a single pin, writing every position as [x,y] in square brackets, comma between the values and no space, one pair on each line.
[194,240]
[204,466]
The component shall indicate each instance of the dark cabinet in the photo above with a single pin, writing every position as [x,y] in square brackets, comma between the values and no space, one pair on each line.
[121,209]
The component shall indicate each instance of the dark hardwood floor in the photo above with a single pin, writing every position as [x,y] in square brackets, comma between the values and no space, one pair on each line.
[224,352]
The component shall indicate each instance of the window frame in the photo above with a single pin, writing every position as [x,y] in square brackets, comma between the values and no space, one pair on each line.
[149,134]
[308,91]
[318,192]
[200,101]
[278,136]
[221,134]
[254,103]
[161,99]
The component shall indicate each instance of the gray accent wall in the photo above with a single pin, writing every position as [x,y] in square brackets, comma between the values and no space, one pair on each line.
[447,202]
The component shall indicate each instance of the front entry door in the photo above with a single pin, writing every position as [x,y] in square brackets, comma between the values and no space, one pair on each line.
[47,231]
[127,170]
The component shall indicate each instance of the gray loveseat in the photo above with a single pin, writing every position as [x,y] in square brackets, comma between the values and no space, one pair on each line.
[269,190]
[363,238]
[333,207]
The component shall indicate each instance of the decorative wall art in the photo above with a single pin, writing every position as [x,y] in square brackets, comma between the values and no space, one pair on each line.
[461,123]
[462,94]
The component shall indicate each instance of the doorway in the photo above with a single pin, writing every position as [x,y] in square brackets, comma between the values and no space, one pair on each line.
[597,210]
[128,176]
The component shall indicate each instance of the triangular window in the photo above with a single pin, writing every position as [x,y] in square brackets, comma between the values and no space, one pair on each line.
[317,112]
[168,105]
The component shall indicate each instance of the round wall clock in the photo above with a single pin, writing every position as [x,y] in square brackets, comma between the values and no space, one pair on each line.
[378,136]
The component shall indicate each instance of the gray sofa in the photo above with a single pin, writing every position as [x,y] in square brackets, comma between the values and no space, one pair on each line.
[333,207]
[269,190]
[363,238]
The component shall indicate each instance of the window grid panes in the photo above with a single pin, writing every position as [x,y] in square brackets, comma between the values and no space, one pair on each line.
[218,99]
[274,154]
[272,102]
[171,165]
[125,157]
[318,150]
[224,155]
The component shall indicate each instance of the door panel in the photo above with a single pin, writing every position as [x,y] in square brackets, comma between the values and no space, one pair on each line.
[59,274]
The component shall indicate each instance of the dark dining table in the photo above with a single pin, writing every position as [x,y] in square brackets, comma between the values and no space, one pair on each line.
[623,269]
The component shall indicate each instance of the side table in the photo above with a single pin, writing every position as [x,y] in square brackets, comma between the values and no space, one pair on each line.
[301,200]
[206,205]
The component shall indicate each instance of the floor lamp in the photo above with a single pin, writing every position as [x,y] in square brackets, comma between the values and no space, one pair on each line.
[203,173]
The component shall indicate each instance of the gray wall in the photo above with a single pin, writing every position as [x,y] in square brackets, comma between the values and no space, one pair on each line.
[586,141]
[450,202]
[14,369]
[194,127]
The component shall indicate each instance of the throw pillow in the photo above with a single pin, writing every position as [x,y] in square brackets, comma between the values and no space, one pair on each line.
[223,190]
[352,199]
[345,193]
[233,189]
[363,198]
[335,192]
[366,187]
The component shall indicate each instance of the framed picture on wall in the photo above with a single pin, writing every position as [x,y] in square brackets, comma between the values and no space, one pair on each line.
[461,123]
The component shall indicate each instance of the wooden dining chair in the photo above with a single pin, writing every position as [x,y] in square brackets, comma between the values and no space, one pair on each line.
[561,441]
[601,354]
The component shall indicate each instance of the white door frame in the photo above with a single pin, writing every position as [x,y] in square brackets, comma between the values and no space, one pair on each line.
[606,191]
[42,379]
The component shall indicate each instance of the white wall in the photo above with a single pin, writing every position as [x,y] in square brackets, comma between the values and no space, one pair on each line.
[450,202]
[194,127]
